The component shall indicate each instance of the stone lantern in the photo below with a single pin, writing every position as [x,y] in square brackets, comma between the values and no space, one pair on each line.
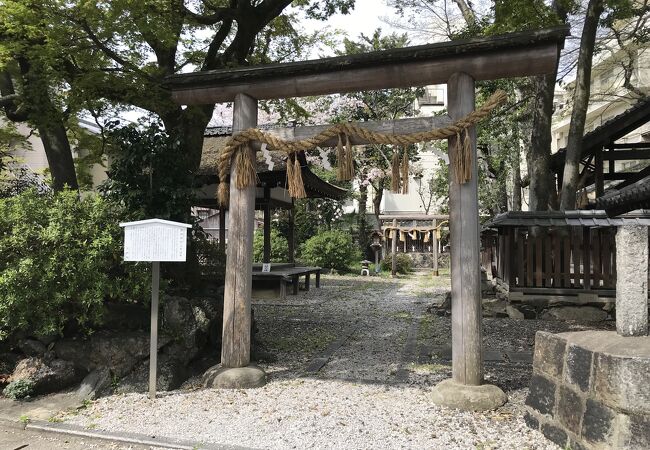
[376,247]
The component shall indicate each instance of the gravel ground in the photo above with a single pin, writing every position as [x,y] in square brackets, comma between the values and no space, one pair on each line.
[373,392]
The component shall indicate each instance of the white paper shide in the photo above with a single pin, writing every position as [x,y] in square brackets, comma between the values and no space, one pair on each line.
[155,240]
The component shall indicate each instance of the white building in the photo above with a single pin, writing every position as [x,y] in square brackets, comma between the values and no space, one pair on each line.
[33,158]
[418,198]
[609,97]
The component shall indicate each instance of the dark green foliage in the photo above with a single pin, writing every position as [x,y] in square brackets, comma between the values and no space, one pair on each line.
[149,173]
[208,262]
[60,259]
[279,247]
[19,389]
[403,261]
[331,250]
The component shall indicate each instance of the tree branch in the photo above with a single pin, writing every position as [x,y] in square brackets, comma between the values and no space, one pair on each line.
[7,100]
[13,112]
[110,52]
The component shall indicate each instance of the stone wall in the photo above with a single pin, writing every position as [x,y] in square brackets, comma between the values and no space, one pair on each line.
[591,390]
[425,260]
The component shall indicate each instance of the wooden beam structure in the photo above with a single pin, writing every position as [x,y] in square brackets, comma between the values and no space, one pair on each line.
[393,250]
[460,64]
[398,126]
[267,227]
[467,363]
[434,247]
[235,342]
[222,230]
[485,58]
[291,238]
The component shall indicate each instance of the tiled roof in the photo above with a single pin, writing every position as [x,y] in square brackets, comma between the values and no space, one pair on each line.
[586,218]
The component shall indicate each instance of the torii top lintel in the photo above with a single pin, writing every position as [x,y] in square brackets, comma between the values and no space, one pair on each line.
[487,58]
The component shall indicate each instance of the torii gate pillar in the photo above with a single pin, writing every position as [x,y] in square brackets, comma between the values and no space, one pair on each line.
[465,390]
[235,370]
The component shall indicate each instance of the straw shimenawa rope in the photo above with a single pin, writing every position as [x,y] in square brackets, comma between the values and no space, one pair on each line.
[462,163]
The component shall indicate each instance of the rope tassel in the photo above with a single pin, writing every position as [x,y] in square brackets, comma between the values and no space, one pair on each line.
[246,173]
[223,193]
[463,159]
[294,176]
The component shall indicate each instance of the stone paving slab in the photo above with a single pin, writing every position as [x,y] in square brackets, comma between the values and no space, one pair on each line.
[125,438]
[410,348]
[489,355]
[318,362]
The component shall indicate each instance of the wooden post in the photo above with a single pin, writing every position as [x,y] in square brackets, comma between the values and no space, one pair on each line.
[434,247]
[600,183]
[222,230]
[267,225]
[395,234]
[235,348]
[292,233]
[467,364]
[153,344]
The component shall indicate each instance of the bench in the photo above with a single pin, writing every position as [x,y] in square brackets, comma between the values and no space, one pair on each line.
[288,275]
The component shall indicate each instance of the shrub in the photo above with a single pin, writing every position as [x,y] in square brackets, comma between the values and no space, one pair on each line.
[331,249]
[210,258]
[60,258]
[403,261]
[279,246]
[19,389]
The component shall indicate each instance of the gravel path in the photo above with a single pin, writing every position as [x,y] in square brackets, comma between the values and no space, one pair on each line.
[373,392]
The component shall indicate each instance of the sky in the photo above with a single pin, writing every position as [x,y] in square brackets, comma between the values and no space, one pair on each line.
[365,18]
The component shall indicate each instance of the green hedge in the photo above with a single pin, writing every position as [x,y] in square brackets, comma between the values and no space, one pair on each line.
[332,250]
[279,246]
[60,259]
[403,262]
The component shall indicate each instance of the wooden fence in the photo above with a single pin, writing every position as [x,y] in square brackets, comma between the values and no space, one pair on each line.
[563,258]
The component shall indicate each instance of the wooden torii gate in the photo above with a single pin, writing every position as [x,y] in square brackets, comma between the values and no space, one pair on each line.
[457,63]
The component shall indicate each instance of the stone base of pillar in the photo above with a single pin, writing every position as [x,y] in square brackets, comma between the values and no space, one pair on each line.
[234,377]
[468,398]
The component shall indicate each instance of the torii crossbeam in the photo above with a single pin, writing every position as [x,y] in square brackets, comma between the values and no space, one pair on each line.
[459,64]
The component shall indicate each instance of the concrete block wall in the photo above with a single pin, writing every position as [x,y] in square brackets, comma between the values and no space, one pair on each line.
[591,390]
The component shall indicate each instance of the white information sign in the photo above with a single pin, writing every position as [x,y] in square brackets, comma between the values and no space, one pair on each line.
[266,267]
[155,240]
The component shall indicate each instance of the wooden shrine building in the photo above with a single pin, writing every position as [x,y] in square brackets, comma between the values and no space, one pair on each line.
[416,235]
[270,192]
[555,256]
[459,64]
[571,255]
[601,151]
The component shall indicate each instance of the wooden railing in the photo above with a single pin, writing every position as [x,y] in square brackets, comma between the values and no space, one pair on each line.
[560,258]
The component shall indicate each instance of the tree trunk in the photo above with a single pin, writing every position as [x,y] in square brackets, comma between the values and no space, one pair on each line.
[376,199]
[467,12]
[516,182]
[580,105]
[541,189]
[50,124]
[362,222]
[59,155]
[188,125]
[539,153]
